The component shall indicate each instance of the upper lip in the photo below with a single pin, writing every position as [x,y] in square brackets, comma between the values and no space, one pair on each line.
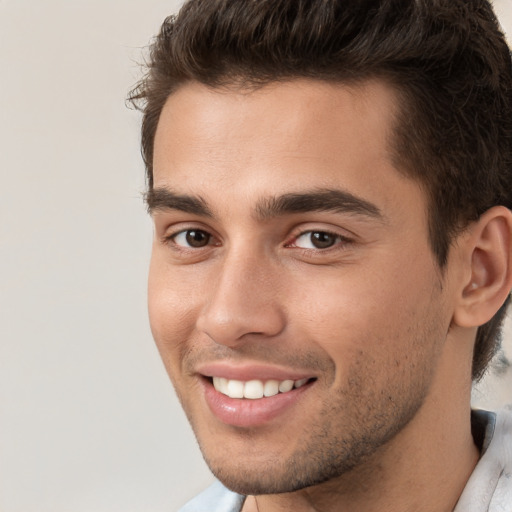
[246,372]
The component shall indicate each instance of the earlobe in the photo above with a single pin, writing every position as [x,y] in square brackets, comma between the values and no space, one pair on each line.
[489,247]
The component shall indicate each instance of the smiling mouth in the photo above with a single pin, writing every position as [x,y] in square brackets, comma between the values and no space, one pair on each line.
[256,389]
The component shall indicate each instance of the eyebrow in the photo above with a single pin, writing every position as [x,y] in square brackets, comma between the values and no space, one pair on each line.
[161,199]
[323,200]
[318,200]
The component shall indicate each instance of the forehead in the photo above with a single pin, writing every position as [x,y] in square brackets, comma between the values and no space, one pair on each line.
[277,139]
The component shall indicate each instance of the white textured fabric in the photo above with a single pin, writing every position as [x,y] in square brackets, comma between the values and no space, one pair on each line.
[215,499]
[489,488]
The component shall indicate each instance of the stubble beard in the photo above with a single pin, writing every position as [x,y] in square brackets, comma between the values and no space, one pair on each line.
[352,430]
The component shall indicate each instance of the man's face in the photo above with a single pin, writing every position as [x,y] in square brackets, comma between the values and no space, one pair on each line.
[289,251]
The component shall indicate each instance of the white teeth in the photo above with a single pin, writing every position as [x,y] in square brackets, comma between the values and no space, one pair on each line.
[235,389]
[300,383]
[271,388]
[221,384]
[286,385]
[254,389]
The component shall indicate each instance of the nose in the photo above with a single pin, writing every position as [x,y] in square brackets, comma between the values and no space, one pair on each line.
[244,300]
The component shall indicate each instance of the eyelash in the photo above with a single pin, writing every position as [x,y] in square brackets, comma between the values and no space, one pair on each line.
[171,239]
[340,242]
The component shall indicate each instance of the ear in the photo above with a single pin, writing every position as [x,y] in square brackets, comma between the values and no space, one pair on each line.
[489,253]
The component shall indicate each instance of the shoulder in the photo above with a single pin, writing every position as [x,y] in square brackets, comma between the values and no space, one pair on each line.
[490,485]
[215,498]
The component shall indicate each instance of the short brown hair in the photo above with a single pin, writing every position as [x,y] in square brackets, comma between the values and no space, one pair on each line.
[447,60]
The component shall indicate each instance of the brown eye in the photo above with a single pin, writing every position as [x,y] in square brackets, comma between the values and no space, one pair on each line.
[322,240]
[195,238]
[317,240]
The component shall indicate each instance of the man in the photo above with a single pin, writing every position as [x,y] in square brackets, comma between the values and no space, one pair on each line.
[331,185]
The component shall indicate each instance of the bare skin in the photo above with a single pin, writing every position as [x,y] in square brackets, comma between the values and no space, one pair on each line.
[244,280]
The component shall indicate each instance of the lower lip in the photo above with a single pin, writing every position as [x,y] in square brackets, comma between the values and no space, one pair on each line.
[251,413]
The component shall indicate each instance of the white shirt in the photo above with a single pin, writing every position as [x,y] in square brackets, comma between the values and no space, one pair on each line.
[489,489]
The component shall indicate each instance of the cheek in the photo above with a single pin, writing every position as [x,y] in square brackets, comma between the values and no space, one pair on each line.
[375,316]
[171,308]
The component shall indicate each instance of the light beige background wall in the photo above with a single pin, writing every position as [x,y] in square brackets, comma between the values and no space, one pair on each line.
[88,420]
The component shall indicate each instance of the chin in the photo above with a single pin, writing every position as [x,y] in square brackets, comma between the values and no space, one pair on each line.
[306,467]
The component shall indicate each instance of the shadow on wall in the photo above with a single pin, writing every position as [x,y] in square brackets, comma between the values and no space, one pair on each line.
[495,389]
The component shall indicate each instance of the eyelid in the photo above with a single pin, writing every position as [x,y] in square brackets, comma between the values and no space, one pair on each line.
[184,244]
[171,232]
[344,236]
